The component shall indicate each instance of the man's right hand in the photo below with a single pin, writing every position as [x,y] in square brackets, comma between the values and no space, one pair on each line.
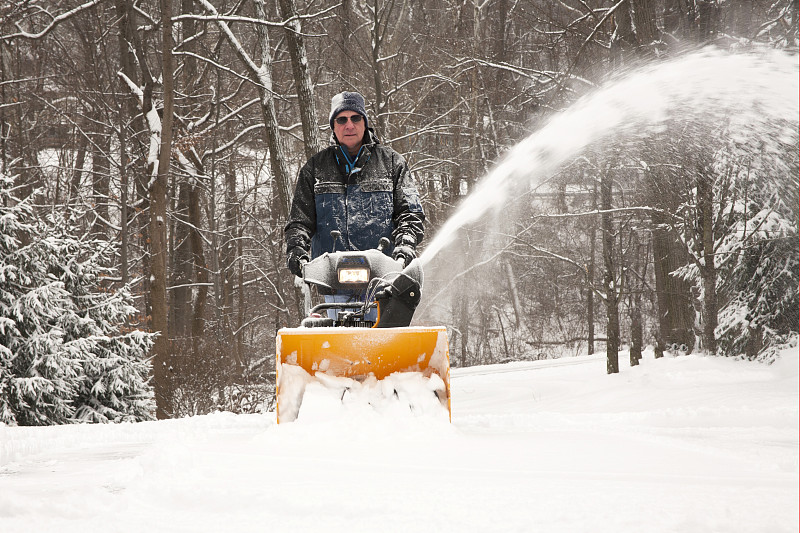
[295,259]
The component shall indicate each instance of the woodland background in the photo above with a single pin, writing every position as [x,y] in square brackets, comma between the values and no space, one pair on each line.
[169,133]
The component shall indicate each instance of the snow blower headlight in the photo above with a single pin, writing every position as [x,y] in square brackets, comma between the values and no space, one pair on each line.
[353,275]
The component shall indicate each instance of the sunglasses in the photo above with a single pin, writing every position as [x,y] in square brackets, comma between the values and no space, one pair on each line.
[355,119]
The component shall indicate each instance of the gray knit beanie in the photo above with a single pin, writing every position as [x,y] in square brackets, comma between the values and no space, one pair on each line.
[347,101]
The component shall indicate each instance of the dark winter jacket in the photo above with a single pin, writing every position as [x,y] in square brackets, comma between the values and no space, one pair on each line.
[376,198]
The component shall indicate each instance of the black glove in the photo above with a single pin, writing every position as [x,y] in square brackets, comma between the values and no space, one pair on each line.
[405,248]
[295,259]
[404,253]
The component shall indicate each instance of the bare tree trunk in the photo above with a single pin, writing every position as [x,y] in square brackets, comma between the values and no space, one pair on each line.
[277,156]
[643,16]
[673,295]
[125,41]
[305,88]
[512,287]
[378,36]
[77,171]
[123,197]
[196,196]
[3,127]
[101,172]
[675,17]
[199,267]
[190,273]
[228,248]
[636,334]
[158,227]
[474,97]
[239,334]
[708,270]
[636,303]
[181,257]
[344,35]
[612,304]
[462,305]
[228,263]
[590,277]
[501,29]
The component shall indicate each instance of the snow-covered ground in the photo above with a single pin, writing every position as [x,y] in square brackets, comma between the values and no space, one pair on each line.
[687,444]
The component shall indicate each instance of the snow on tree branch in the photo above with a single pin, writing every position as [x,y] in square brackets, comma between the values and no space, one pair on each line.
[56,20]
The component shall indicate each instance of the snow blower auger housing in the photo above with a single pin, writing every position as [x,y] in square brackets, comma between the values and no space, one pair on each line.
[352,353]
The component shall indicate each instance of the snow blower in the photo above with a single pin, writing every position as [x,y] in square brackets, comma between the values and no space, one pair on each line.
[342,345]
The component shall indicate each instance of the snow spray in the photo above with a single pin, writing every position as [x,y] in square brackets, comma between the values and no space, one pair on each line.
[750,89]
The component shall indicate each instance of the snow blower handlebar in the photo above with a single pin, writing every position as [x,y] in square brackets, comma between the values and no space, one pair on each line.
[372,274]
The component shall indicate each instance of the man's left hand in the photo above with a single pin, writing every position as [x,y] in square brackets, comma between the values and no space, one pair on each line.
[404,253]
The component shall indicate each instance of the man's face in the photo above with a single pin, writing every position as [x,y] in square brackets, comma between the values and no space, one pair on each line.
[350,134]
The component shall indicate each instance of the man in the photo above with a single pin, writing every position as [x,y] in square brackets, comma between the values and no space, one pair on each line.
[357,187]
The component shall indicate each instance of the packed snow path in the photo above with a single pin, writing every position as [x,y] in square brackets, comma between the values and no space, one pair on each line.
[688,444]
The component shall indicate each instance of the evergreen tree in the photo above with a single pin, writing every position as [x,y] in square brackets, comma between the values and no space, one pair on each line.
[66,354]
[755,253]
[762,274]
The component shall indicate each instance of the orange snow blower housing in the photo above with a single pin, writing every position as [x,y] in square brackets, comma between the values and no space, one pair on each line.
[351,350]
